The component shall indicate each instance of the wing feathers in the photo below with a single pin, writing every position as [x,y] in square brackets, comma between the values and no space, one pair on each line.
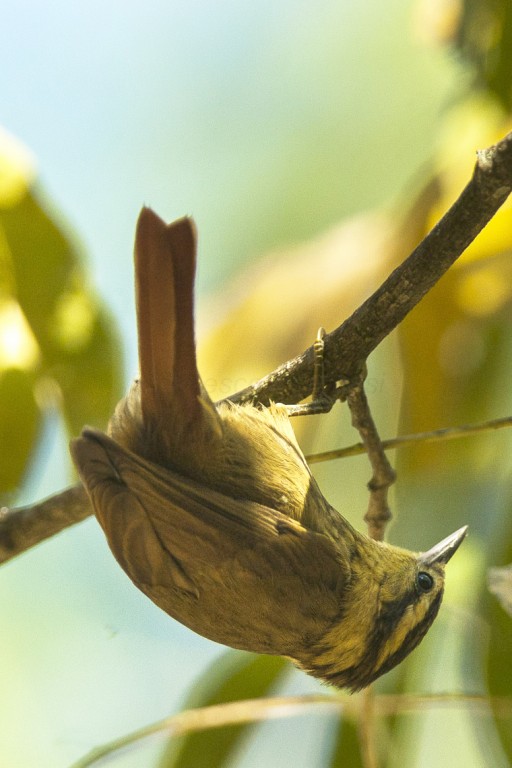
[221,566]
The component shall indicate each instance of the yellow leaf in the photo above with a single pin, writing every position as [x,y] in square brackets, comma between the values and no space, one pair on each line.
[16,170]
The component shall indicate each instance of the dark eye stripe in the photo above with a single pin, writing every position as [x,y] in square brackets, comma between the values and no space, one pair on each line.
[360,675]
[414,637]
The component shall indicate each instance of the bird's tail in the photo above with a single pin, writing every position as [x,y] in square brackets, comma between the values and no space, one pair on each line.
[165,261]
[167,408]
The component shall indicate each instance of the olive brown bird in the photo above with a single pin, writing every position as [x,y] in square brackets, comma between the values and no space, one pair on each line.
[213,512]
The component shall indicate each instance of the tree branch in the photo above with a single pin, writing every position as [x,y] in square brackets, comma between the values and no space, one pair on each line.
[346,348]
[24,527]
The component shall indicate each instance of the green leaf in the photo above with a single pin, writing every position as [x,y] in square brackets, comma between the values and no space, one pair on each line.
[484,38]
[500,584]
[347,746]
[499,668]
[19,425]
[236,676]
[75,360]
[42,260]
[89,377]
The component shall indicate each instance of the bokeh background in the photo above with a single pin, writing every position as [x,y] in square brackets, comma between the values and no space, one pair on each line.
[314,144]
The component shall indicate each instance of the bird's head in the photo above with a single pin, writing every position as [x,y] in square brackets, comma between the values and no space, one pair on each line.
[391,601]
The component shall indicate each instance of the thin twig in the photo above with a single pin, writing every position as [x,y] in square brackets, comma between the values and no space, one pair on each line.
[367,730]
[434,436]
[378,514]
[392,704]
[254,710]
[214,716]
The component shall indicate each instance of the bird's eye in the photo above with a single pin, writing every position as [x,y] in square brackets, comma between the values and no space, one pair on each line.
[424,581]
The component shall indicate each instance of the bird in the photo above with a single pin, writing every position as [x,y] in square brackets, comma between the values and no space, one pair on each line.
[213,513]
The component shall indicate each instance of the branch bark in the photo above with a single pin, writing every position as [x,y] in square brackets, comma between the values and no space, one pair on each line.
[378,513]
[24,527]
[346,348]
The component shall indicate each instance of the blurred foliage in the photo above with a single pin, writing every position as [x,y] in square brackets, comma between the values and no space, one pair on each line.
[500,584]
[236,676]
[347,746]
[460,372]
[456,355]
[484,36]
[451,361]
[500,641]
[58,349]
[480,32]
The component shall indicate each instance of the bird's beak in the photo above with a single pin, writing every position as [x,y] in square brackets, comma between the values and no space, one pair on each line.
[442,552]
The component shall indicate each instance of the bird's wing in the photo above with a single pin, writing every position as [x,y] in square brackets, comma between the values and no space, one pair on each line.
[232,570]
